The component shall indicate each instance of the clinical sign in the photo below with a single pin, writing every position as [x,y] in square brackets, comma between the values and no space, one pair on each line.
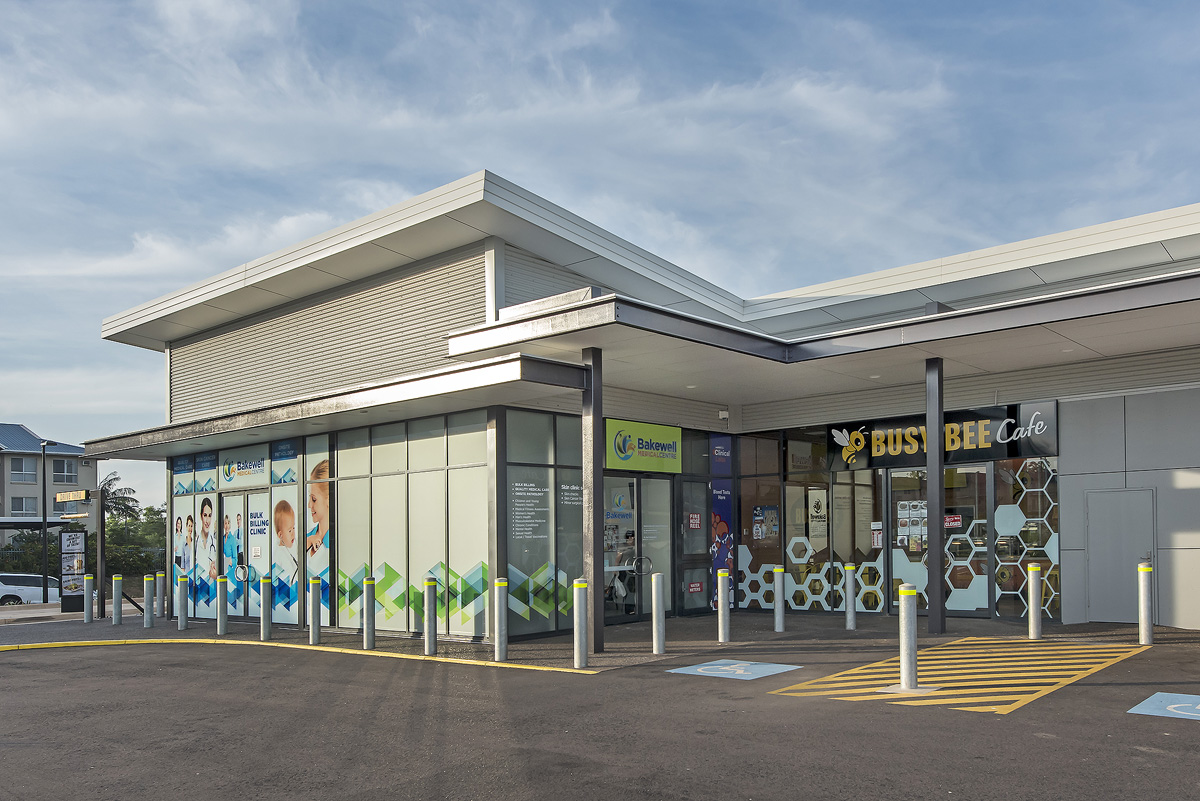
[974,435]
[642,446]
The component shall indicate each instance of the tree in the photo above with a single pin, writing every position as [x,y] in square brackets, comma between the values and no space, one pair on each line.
[119,501]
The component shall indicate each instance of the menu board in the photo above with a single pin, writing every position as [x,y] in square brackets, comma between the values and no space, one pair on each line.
[72,545]
[912,526]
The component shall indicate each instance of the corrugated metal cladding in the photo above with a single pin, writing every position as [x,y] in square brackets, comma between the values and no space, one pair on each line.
[386,326]
[526,278]
[1085,379]
[643,407]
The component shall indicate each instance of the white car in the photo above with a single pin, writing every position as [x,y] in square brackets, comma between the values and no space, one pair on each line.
[25,588]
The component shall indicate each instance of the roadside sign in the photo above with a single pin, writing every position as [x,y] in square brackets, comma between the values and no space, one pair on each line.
[73,495]
[77,516]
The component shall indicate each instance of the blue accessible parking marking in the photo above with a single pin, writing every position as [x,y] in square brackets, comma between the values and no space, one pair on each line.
[735,669]
[1170,705]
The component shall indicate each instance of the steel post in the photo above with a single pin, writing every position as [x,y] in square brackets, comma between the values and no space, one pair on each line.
[1034,601]
[581,623]
[500,616]
[780,601]
[148,601]
[368,614]
[181,602]
[658,602]
[850,594]
[431,616]
[1145,607]
[908,636]
[266,594]
[722,606]
[118,600]
[314,611]
[89,585]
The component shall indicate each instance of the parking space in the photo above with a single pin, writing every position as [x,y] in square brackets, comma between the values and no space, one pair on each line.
[974,674]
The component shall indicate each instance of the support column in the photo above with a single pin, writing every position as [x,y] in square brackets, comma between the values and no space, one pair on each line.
[593,494]
[935,450]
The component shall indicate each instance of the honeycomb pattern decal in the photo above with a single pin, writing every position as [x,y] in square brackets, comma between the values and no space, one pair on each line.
[1027,532]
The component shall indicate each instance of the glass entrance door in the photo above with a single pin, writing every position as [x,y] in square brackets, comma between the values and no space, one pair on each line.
[967,558]
[245,550]
[695,562]
[637,542]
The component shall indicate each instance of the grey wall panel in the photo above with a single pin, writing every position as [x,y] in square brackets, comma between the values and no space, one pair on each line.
[1177,507]
[1072,511]
[526,278]
[1091,436]
[1072,572]
[1175,587]
[1098,377]
[1120,534]
[385,326]
[1158,433]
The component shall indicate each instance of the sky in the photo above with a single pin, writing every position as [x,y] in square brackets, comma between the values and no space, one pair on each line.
[765,146]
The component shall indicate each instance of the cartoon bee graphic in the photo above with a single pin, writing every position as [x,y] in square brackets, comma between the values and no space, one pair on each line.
[851,441]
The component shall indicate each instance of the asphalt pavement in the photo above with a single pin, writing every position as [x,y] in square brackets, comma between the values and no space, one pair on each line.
[200,720]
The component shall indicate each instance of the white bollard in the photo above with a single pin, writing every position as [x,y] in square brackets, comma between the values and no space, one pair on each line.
[430,600]
[368,614]
[580,588]
[850,593]
[780,601]
[1034,601]
[160,593]
[222,605]
[314,611]
[118,600]
[88,589]
[148,602]
[908,636]
[658,601]
[500,632]
[722,606]
[1145,607]
[266,595]
[181,602]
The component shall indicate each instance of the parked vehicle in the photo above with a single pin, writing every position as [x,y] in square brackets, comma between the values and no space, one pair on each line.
[25,588]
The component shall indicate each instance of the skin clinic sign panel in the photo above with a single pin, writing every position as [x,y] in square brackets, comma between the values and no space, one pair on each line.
[642,447]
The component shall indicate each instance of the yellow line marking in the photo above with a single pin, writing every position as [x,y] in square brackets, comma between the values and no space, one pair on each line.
[975,674]
[325,648]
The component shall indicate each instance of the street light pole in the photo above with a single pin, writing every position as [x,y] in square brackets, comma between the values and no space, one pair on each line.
[45,538]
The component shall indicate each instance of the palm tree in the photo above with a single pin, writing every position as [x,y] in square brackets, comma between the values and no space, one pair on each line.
[120,501]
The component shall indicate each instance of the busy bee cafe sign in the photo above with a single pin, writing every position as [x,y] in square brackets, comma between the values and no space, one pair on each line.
[974,435]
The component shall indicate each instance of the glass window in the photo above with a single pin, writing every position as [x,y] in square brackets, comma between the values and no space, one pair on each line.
[466,438]
[695,452]
[531,573]
[24,470]
[24,507]
[530,437]
[759,454]
[389,550]
[353,546]
[568,539]
[66,471]
[389,448]
[426,540]
[65,507]
[354,452]
[569,440]
[806,450]
[427,443]
[316,456]
[761,537]
[468,526]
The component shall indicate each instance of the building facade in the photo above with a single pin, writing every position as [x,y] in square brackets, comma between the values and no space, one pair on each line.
[66,469]
[477,383]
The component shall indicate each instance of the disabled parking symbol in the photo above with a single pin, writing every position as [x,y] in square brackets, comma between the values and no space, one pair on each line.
[735,669]
[1170,705]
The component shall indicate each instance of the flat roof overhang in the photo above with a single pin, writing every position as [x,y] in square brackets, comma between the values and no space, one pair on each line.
[651,349]
[510,379]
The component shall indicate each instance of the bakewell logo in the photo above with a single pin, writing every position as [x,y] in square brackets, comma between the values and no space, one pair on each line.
[623,446]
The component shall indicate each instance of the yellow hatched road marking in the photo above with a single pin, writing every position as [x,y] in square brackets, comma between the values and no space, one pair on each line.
[974,674]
